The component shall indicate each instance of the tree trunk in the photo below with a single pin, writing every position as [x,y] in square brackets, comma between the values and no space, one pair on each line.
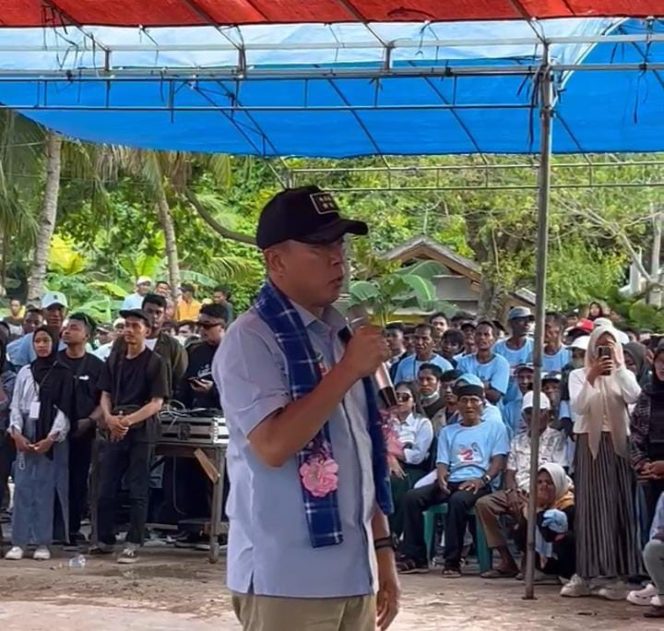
[47,217]
[166,221]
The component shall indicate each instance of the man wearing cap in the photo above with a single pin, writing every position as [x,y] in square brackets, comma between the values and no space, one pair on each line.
[134,385]
[518,348]
[309,544]
[513,499]
[135,300]
[54,307]
[492,369]
[188,307]
[471,453]
[84,413]
[116,329]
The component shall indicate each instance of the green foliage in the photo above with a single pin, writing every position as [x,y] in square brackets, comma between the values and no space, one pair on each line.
[410,286]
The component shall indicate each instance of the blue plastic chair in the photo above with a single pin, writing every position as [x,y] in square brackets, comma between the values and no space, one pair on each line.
[484,554]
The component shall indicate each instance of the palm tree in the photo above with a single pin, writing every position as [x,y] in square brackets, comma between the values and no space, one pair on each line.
[21,176]
[47,216]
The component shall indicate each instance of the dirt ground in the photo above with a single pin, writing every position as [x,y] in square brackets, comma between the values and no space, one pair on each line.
[172,590]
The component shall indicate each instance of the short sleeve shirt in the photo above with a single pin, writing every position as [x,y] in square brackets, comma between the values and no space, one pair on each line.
[496,371]
[268,528]
[409,366]
[467,451]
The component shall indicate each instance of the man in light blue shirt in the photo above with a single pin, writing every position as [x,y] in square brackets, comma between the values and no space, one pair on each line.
[54,306]
[424,354]
[280,578]
[492,369]
[471,454]
[555,356]
[135,300]
[518,348]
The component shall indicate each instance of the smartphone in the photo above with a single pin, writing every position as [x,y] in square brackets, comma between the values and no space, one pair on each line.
[602,352]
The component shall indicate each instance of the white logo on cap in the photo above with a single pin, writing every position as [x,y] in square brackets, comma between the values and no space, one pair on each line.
[324,203]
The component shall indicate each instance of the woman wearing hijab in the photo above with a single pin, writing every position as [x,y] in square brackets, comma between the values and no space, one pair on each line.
[606,543]
[39,428]
[647,445]
[636,361]
[554,538]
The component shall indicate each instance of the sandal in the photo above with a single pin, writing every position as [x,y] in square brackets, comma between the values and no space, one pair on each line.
[451,572]
[410,566]
[498,573]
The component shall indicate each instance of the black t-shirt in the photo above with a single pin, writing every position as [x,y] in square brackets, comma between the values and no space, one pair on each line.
[199,367]
[135,381]
[86,372]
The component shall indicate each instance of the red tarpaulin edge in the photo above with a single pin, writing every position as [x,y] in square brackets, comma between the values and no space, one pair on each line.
[153,13]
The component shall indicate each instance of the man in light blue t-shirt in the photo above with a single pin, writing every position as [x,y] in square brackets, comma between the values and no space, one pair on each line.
[492,369]
[555,356]
[518,348]
[424,354]
[471,454]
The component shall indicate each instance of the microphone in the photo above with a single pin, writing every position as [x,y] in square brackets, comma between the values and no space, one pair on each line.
[358,316]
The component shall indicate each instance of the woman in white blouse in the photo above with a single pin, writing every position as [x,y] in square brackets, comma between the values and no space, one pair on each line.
[415,433]
[39,427]
[600,394]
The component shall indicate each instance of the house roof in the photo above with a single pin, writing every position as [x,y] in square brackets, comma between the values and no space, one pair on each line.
[423,247]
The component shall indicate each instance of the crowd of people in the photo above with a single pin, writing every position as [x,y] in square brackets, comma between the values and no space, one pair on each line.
[464,422]
[69,386]
[312,534]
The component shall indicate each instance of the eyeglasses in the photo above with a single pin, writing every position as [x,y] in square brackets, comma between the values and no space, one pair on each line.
[403,397]
[208,325]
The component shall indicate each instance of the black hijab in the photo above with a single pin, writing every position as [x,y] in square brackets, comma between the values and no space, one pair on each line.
[656,388]
[638,352]
[54,386]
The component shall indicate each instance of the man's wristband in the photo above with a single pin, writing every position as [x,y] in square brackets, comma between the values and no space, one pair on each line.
[386,542]
[486,478]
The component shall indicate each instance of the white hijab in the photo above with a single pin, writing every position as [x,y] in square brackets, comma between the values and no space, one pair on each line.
[610,403]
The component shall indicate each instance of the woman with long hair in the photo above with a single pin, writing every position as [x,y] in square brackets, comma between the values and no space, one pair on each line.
[415,434]
[39,429]
[606,546]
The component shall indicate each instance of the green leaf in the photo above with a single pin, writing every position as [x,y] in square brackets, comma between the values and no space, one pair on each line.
[362,291]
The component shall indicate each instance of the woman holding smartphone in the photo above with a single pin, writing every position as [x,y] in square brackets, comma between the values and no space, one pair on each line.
[606,546]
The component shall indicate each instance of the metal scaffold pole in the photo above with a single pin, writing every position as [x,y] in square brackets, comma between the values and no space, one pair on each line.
[545,85]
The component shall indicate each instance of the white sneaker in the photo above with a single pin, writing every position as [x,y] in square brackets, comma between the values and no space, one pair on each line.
[642,597]
[617,590]
[42,553]
[657,601]
[15,554]
[576,588]
[129,554]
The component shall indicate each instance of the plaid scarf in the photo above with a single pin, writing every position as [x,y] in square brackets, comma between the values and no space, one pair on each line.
[304,374]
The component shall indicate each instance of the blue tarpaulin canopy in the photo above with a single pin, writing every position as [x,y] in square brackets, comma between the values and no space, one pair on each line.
[343,90]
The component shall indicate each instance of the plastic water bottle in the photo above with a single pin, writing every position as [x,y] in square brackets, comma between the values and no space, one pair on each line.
[77,562]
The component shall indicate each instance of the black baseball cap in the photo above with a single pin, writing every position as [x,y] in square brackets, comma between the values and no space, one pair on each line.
[306,214]
[136,313]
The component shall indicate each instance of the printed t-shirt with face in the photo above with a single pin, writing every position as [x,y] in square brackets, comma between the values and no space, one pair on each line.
[86,372]
[199,367]
[467,451]
[135,382]
[514,357]
[496,371]
[557,361]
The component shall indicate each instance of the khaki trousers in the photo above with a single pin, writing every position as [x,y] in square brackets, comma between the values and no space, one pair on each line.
[271,613]
[489,510]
